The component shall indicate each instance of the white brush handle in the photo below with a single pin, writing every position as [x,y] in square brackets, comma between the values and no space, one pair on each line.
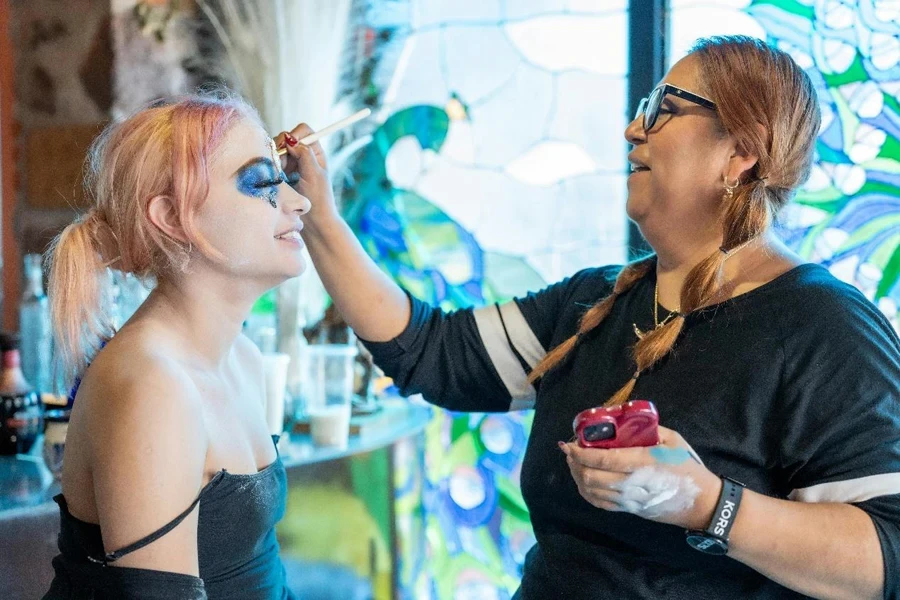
[315,137]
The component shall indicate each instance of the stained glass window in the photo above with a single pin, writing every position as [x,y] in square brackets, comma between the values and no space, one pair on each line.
[498,167]
[847,216]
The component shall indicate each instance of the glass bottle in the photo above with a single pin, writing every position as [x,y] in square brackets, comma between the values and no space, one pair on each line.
[20,407]
[34,327]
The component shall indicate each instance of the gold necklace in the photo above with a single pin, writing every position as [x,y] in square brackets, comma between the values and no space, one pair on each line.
[656,323]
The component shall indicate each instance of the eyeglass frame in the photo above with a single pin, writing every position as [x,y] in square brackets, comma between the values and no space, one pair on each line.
[663,89]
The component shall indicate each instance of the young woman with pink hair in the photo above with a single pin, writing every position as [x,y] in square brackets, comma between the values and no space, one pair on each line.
[172,485]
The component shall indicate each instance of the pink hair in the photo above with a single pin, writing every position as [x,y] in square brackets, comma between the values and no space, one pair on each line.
[162,150]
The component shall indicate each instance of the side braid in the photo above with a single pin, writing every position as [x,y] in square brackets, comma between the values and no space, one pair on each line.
[630,275]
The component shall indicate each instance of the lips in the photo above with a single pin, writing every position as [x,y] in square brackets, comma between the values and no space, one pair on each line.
[291,234]
[637,165]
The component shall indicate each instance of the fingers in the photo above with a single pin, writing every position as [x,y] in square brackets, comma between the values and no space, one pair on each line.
[595,478]
[299,162]
[309,163]
[619,460]
[301,131]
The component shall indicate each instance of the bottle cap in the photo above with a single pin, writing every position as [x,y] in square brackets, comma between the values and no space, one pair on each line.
[8,341]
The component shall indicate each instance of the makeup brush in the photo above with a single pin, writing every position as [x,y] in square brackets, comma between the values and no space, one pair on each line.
[315,137]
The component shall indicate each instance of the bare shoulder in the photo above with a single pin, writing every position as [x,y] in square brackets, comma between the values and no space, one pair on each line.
[147,446]
[132,378]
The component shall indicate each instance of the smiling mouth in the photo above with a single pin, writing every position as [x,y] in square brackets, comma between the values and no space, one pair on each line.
[638,169]
[290,235]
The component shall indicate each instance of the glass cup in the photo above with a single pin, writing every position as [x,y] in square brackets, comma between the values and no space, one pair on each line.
[56,424]
[328,392]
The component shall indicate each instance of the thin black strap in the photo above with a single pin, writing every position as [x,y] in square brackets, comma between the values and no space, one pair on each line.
[144,541]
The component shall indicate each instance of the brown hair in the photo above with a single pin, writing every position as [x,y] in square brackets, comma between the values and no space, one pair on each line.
[752,84]
[162,150]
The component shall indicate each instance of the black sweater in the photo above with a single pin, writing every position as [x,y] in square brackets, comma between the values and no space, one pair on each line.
[792,388]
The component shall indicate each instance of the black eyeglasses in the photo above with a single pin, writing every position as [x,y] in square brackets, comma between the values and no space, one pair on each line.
[649,106]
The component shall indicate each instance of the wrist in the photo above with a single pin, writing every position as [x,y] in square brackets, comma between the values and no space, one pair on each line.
[322,219]
[705,505]
[714,537]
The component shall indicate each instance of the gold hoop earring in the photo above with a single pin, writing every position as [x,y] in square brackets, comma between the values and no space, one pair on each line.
[730,187]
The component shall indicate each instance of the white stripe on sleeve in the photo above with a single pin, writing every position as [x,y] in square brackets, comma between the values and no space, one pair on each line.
[490,328]
[850,490]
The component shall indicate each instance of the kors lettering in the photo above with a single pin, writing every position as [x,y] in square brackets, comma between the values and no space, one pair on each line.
[724,517]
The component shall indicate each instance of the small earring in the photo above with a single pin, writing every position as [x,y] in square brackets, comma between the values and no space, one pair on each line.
[730,187]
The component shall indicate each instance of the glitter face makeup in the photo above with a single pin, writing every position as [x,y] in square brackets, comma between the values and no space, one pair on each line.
[260,178]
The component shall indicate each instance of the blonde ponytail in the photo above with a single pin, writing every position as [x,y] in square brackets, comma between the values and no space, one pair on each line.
[77,290]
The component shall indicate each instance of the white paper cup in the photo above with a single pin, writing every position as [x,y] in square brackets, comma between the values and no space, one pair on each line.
[330,425]
[276,365]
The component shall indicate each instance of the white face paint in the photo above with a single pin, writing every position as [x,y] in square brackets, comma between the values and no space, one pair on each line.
[651,492]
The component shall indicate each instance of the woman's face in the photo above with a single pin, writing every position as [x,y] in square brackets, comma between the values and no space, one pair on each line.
[251,215]
[678,185]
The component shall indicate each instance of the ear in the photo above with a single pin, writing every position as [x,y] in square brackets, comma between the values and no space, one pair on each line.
[161,212]
[743,160]
[739,164]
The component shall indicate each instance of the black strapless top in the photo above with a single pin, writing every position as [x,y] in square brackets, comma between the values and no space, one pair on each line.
[237,548]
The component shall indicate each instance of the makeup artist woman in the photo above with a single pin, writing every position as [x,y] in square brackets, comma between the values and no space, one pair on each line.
[779,376]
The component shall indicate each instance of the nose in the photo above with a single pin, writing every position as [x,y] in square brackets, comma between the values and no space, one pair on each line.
[293,201]
[634,132]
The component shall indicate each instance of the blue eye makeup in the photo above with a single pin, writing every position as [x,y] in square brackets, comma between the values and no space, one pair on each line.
[260,178]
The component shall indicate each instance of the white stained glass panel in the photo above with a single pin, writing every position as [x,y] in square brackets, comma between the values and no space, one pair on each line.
[565,42]
[706,19]
[513,119]
[423,81]
[476,198]
[526,9]
[679,5]
[590,111]
[551,162]
[477,61]
[597,6]
[446,12]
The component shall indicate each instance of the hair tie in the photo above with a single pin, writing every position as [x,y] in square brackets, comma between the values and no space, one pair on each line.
[723,250]
[105,241]
[636,375]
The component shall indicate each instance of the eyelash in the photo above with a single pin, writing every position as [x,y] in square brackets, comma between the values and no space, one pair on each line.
[271,183]
[271,195]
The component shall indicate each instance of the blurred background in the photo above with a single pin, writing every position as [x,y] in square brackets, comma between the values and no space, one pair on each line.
[494,163]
